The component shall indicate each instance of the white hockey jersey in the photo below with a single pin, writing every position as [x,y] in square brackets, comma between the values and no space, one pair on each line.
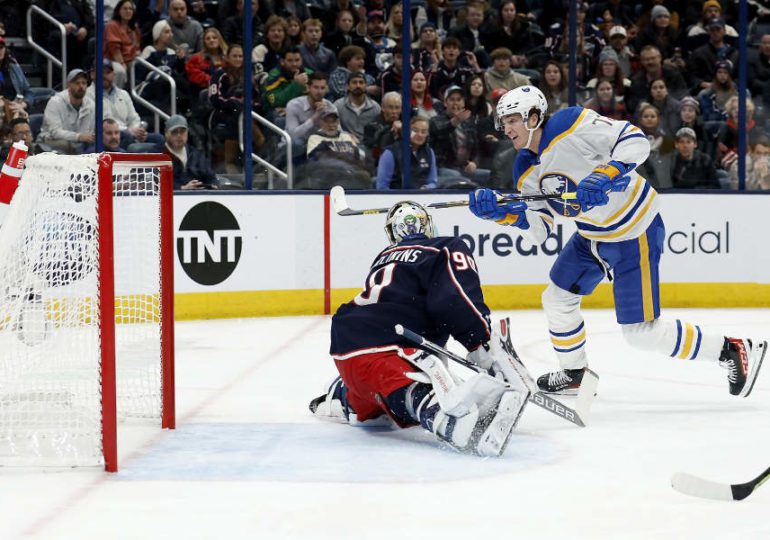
[574,142]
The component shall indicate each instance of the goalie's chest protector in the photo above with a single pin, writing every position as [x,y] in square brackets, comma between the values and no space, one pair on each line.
[574,142]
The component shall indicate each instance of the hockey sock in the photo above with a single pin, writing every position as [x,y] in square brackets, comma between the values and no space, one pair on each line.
[406,403]
[675,338]
[566,326]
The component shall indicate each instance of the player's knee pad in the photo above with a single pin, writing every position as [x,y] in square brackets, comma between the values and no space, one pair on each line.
[560,304]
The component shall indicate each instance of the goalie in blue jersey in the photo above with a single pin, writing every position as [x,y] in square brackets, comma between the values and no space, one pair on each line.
[620,236]
[431,286]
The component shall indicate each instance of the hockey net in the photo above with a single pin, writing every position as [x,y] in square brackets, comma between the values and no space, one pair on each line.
[86,307]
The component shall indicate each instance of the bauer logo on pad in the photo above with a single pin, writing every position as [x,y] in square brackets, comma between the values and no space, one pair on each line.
[209,243]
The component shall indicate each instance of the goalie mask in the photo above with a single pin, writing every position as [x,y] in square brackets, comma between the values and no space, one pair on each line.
[408,218]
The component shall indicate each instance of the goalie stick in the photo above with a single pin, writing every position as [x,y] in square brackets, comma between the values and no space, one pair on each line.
[706,489]
[340,203]
[578,415]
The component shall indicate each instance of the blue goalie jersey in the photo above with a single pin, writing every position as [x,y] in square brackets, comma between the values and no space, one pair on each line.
[429,285]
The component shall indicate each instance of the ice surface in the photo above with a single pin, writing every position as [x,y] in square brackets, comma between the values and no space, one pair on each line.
[249,461]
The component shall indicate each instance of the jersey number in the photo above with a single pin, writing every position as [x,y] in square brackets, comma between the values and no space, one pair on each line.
[378,280]
[463,262]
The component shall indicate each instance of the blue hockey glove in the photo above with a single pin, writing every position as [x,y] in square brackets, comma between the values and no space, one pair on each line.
[593,189]
[483,204]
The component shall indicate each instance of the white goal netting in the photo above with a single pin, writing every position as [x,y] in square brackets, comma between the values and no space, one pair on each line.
[51,335]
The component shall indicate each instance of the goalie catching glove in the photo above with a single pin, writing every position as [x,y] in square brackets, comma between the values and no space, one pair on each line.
[593,189]
[484,204]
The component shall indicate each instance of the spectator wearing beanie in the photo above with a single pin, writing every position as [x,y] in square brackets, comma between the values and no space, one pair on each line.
[689,116]
[608,67]
[698,34]
[691,168]
[660,32]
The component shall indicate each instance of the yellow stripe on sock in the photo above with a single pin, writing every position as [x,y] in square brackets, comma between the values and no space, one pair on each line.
[689,334]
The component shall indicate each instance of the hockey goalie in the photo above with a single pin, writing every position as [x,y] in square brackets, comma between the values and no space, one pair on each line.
[429,284]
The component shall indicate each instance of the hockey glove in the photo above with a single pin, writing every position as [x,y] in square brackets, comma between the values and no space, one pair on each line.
[593,189]
[484,204]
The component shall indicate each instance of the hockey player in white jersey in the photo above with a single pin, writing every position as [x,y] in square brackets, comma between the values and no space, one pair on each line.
[620,236]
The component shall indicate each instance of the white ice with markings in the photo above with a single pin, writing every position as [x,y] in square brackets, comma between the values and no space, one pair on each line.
[249,461]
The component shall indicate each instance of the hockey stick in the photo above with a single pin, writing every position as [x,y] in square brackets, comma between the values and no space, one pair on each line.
[707,489]
[577,416]
[340,203]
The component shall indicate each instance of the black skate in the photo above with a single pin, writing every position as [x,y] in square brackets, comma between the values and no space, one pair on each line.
[565,382]
[742,359]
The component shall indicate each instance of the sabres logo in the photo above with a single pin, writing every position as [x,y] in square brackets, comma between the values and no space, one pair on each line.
[555,184]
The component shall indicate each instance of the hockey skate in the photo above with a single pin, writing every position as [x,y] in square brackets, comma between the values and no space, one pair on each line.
[565,381]
[742,359]
[333,403]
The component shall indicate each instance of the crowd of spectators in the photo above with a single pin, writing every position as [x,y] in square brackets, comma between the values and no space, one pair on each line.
[329,72]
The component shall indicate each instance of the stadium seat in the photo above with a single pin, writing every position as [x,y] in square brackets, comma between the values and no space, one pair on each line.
[35,123]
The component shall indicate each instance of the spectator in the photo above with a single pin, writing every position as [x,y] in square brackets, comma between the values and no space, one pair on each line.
[314,55]
[514,32]
[667,105]
[335,154]
[660,32]
[110,137]
[450,71]
[77,16]
[284,8]
[381,133]
[226,97]
[390,79]
[653,68]
[442,14]
[202,65]
[609,67]
[293,31]
[332,18]
[171,61]
[68,120]
[285,82]
[426,50]
[655,169]
[20,131]
[188,33]
[13,84]
[378,40]
[712,100]
[469,33]
[356,109]
[266,56]
[303,113]
[232,28]
[476,93]
[122,40]
[501,75]
[200,13]
[345,35]
[191,169]
[352,59]
[758,78]
[422,102]
[757,167]
[605,102]
[627,59]
[689,116]
[453,137]
[702,63]
[620,12]
[699,33]
[422,161]
[394,25]
[645,19]
[119,107]
[727,138]
[554,86]
[690,168]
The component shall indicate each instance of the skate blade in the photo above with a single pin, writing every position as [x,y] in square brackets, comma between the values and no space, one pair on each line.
[566,392]
[758,354]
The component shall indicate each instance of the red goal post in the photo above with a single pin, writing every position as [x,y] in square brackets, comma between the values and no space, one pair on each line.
[86,309]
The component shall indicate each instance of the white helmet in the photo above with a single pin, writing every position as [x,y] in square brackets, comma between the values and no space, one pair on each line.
[406,218]
[521,101]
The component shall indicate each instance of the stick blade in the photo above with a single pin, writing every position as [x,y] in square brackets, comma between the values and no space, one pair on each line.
[699,487]
[339,203]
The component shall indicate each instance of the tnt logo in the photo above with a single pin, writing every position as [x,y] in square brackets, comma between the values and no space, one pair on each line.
[209,243]
[556,184]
